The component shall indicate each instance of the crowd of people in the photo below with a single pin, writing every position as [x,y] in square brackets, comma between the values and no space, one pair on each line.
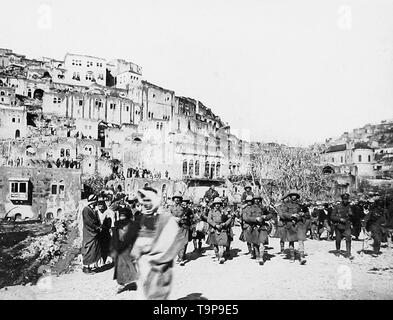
[144,173]
[143,235]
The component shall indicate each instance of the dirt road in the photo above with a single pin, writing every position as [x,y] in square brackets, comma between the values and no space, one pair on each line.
[324,276]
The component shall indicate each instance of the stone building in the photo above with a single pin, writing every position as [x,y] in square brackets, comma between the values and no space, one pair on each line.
[120,116]
[29,192]
[83,70]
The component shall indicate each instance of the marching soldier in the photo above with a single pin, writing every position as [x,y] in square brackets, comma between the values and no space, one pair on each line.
[373,222]
[388,225]
[314,223]
[188,218]
[356,219]
[247,192]
[178,211]
[211,194]
[256,231]
[266,211]
[219,226]
[294,225]
[227,211]
[328,209]
[198,228]
[341,217]
[249,201]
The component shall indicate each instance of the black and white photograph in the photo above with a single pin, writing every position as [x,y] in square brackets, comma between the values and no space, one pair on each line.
[196,150]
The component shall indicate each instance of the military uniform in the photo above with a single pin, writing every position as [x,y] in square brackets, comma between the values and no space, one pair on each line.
[219,230]
[246,211]
[256,230]
[314,223]
[341,218]
[356,220]
[294,226]
[373,222]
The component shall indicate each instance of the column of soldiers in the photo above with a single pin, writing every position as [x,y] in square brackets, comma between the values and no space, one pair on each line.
[112,227]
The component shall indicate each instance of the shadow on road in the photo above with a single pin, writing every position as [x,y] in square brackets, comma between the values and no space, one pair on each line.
[104,268]
[340,252]
[267,256]
[233,253]
[369,252]
[193,296]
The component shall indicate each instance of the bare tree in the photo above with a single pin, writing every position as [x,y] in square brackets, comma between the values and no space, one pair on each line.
[279,168]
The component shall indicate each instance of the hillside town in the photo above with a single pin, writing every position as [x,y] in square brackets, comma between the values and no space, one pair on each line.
[84,116]
[112,161]
[64,122]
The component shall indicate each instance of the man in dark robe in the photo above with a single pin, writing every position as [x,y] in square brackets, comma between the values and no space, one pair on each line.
[91,249]
[106,224]
[125,232]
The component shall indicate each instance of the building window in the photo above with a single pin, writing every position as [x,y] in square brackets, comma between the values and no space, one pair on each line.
[19,190]
[218,167]
[68,153]
[332,159]
[197,168]
[185,167]
[61,153]
[54,188]
[61,190]
[207,167]
[191,168]
[14,187]
[342,159]
[13,119]
[212,170]
[360,158]
[369,158]
[80,102]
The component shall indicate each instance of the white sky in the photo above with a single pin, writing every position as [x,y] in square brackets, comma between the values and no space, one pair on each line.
[293,72]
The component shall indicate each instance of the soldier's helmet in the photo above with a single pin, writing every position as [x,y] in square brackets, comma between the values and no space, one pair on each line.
[132,198]
[249,198]
[177,195]
[186,199]
[248,186]
[345,196]
[217,200]
[292,192]
[257,195]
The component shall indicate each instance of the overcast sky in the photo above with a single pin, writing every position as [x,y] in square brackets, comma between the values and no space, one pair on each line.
[292,72]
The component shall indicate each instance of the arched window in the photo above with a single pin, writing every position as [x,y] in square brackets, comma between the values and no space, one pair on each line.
[185,167]
[207,167]
[17,134]
[61,152]
[191,168]
[218,168]
[197,168]
[212,170]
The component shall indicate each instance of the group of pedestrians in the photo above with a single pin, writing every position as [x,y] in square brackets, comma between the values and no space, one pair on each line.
[143,235]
